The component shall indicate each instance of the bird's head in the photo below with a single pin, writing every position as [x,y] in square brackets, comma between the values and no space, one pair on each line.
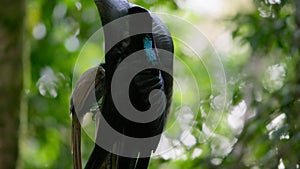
[110,10]
[121,19]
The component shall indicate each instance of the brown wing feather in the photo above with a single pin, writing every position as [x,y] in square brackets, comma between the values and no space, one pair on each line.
[91,83]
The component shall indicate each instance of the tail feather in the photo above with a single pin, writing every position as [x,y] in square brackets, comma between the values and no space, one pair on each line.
[110,162]
[126,163]
[101,159]
[76,142]
[142,163]
[97,159]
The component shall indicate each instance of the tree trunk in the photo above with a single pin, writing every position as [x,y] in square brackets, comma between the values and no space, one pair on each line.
[11,79]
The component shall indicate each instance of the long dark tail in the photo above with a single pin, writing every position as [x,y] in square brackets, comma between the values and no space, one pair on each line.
[110,162]
[142,163]
[76,142]
[101,159]
[98,157]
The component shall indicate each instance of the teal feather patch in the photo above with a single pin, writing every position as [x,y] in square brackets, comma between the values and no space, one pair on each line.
[149,50]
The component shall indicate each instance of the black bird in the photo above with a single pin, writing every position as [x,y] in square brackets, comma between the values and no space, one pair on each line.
[143,35]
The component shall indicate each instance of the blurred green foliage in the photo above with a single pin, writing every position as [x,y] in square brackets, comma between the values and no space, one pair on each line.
[256,125]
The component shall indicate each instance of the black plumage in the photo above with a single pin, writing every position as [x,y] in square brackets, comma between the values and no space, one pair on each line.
[148,34]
